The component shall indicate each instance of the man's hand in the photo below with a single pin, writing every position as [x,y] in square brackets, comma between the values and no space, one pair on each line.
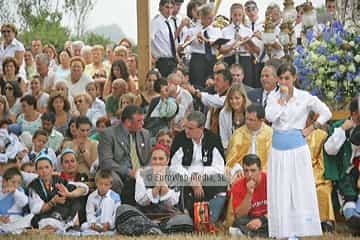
[254,224]
[348,124]
[250,185]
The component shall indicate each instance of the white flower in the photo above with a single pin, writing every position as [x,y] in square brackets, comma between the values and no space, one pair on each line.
[357,58]
[352,68]
[342,68]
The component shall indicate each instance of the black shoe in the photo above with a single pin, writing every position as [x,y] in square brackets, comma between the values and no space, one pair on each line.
[327,226]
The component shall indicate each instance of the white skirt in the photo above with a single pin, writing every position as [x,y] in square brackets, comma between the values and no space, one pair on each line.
[292,202]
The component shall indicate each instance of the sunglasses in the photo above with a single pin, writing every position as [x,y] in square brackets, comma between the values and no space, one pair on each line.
[99,76]
[5,31]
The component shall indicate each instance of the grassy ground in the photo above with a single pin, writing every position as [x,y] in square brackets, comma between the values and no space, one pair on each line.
[175,237]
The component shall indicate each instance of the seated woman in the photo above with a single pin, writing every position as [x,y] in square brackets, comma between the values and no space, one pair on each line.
[154,195]
[148,93]
[11,73]
[70,167]
[61,87]
[83,103]
[155,191]
[232,116]
[36,90]
[13,94]
[5,113]
[86,149]
[161,111]
[59,105]
[12,201]
[53,200]
[30,119]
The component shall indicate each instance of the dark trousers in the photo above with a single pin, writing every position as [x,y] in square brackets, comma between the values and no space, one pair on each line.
[128,192]
[200,69]
[166,66]
[243,221]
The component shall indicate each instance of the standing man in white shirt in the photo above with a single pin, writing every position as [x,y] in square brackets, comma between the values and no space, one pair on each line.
[163,47]
[257,27]
[202,52]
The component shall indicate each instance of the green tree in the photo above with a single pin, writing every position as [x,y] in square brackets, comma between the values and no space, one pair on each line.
[92,38]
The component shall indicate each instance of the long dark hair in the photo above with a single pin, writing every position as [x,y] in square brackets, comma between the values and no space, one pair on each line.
[123,70]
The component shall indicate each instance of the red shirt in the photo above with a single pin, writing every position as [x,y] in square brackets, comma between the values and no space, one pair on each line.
[259,198]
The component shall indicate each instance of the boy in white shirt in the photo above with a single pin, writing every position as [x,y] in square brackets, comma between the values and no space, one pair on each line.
[101,205]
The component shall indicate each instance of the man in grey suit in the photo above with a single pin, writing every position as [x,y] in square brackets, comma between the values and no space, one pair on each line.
[124,148]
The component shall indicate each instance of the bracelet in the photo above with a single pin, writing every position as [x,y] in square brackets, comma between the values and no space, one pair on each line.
[51,203]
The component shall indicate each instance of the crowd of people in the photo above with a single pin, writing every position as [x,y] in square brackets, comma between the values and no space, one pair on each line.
[85,150]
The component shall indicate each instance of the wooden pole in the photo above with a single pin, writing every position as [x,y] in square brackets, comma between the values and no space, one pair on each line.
[143,39]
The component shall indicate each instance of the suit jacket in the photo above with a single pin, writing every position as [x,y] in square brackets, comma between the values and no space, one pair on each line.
[114,152]
[255,95]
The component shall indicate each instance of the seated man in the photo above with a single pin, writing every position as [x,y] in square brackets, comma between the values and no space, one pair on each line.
[197,155]
[254,137]
[339,156]
[249,200]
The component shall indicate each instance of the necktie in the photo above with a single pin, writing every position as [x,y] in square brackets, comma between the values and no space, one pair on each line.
[265,99]
[133,153]
[176,27]
[171,37]
[253,26]
[32,156]
[208,53]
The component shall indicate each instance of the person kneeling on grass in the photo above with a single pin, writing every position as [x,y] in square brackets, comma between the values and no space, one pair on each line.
[101,205]
[53,200]
[250,200]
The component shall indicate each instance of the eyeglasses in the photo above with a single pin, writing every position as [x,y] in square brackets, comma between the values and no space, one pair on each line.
[99,75]
[8,88]
[5,31]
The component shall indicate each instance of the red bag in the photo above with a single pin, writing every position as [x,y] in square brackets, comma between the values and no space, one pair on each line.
[202,218]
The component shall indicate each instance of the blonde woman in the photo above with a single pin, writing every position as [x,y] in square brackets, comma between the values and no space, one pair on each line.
[62,87]
[232,116]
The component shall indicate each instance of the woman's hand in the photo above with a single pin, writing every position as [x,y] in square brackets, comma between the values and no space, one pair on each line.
[307,131]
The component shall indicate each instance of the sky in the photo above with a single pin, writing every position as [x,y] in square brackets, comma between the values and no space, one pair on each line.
[123,12]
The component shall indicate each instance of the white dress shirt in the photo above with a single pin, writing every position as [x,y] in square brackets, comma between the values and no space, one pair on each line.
[185,103]
[99,106]
[101,209]
[294,113]
[197,165]
[144,196]
[213,34]
[228,32]
[160,40]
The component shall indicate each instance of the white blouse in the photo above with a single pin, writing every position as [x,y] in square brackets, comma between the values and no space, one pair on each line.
[294,113]
[144,196]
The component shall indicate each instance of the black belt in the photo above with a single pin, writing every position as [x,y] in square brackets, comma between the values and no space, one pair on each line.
[166,59]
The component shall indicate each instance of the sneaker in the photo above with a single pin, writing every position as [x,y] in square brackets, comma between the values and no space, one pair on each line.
[154,231]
